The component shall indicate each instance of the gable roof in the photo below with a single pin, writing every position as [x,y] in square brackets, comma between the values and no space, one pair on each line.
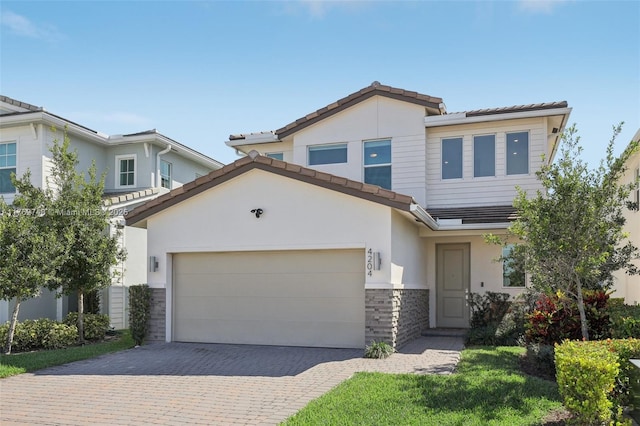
[255,161]
[433,105]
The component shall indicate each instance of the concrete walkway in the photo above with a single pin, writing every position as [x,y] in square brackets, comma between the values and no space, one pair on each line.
[189,383]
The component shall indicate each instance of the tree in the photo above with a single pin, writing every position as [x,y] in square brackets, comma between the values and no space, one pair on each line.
[29,249]
[82,224]
[570,237]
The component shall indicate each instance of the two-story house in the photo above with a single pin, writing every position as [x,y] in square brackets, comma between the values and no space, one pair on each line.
[628,286]
[362,220]
[137,167]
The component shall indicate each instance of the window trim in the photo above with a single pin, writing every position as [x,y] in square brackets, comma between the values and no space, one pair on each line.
[8,142]
[506,151]
[371,166]
[133,157]
[474,155]
[170,178]
[442,178]
[311,147]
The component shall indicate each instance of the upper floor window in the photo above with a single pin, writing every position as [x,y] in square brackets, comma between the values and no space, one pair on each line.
[327,154]
[452,158]
[8,161]
[377,163]
[165,174]
[275,155]
[513,274]
[484,155]
[126,170]
[518,153]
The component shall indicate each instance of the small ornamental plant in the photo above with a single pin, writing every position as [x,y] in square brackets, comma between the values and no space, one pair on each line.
[378,350]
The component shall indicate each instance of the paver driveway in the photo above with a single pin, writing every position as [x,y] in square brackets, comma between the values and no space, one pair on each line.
[188,383]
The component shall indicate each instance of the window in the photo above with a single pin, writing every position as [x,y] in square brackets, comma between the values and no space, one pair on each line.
[452,158]
[327,154]
[513,274]
[165,174]
[377,163]
[636,192]
[484,155]
[8,161]
[126,170]
[518,153]
[275,155]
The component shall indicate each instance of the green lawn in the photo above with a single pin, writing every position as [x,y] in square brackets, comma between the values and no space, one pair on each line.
[487,389]
[19,363]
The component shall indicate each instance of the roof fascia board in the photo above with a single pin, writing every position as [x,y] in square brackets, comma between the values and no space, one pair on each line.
[49,119]
[255,141]
[461,118]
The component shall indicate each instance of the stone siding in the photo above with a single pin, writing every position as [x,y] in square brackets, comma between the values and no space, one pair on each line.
[395,316]
[158,315]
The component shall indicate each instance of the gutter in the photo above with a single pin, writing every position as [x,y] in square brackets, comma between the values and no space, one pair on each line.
[461,118]
[158,178]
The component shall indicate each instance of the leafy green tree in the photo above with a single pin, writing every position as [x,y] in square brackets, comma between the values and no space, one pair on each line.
[570,236]
[29,249]
[82,224]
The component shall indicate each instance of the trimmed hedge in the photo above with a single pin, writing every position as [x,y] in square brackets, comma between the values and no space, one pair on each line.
[95,325]
[42,333]
[139,311]
[586,375]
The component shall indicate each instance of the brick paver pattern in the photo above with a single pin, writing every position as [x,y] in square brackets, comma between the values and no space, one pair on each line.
[191,383]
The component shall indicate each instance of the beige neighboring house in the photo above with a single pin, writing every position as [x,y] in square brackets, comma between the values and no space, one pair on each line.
[139,167]
[628,286]
[362,220]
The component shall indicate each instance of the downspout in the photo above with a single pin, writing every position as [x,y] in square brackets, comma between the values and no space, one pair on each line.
[158,178]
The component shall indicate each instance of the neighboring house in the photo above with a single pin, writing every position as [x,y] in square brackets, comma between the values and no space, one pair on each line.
[288,246]
[628,286]
[138,167]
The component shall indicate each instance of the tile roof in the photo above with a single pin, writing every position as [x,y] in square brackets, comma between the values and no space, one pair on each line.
[20,104]
[472,215]
[375,89]
[516,108]
[256,161]
[113,198]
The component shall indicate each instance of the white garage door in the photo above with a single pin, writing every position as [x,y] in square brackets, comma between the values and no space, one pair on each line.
[293,298]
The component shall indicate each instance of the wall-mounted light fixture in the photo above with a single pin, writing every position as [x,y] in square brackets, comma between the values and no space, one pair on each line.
[257,212]
[153,264]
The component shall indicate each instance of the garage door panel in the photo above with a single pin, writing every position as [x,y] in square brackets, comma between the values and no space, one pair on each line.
[305,298]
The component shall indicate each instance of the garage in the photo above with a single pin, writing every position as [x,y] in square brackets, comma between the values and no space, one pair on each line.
[292,298]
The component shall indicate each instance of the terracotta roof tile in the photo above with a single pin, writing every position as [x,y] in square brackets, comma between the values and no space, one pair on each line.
[254,160]
[516,108]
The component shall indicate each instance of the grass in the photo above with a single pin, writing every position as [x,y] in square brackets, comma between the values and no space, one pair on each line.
[19,363]
[487,389]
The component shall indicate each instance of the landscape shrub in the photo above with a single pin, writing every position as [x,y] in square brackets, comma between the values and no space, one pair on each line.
[95,325]
[624,319]
[543,357]
[556,318]
[42,333]
[626,392]
[490,323]
[586,375]
[378,350]
[139,311]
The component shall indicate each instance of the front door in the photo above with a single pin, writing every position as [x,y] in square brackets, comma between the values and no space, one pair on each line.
[452,285]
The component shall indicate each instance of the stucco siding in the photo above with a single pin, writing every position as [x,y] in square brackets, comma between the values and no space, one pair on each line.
[494,190]
[408,260]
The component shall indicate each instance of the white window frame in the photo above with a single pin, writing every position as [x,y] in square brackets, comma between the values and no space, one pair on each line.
[474,155]
[133,157]
[271,154]
[311,147]
[11,167]
[368,166]
[163,177]
[442,178]
[507,153]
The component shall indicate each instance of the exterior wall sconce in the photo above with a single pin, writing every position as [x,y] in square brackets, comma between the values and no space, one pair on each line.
[257,212]
[153,264]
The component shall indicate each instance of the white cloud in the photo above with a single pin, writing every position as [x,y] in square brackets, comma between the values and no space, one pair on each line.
[318,9]
[22,26]
[539,6]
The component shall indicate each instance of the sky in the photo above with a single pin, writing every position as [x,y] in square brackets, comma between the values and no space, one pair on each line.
[200,71]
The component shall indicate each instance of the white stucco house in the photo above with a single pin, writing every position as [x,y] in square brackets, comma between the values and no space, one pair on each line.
[362,220]
[628,286]
[138,168]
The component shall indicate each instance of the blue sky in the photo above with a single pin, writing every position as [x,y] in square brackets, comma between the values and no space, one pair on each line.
[199,71]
